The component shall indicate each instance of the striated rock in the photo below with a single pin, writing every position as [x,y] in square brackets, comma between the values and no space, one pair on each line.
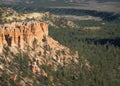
[32,38]
[19,33]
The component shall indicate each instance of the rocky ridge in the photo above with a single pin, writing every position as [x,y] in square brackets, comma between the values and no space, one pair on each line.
[31,34]
[57,21]
[20,40]
[17,34]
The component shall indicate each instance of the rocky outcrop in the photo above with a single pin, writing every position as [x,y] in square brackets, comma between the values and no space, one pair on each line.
[34,34]
[18,34]
[32,38]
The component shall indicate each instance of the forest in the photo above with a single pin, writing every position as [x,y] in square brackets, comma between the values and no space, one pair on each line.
[99,47]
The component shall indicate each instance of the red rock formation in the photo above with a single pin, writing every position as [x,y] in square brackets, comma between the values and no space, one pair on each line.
[21,34]
[17,34]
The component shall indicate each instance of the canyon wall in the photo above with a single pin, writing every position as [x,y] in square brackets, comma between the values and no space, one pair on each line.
[32,38]
[20,33]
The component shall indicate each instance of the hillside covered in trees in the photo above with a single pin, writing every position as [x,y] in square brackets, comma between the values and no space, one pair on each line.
[95,39]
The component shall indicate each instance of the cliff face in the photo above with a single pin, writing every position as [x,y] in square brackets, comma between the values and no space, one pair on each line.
[29,46]
[33,34]
[18,34]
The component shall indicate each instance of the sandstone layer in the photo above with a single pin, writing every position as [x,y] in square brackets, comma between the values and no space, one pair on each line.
[34,35]
[30,40]
[17,34]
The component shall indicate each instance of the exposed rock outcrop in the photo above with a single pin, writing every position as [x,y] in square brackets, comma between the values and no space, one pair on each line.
[32,39]
[34,34]
[18,34]
[27,49]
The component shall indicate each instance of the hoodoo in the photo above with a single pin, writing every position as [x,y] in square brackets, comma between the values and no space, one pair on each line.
[19,33]
[33,34]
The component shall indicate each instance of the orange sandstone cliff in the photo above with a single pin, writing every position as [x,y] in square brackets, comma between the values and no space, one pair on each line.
[17,34]
[35,35]
[32,38]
